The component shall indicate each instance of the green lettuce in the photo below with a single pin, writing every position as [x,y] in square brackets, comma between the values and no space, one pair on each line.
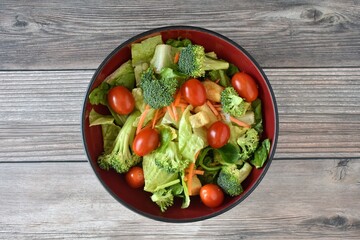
[123,76]
[261,154]
[189,142]
[108,128]
[143,52]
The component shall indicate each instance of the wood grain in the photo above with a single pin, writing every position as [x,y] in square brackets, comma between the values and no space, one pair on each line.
[297,199]
[40,112]
[78,35]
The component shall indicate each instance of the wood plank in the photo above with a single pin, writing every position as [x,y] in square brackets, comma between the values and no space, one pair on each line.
[77,35]
[297,199]
[40,113]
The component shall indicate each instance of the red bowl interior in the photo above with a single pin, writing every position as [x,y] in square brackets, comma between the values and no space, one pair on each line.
[139,200]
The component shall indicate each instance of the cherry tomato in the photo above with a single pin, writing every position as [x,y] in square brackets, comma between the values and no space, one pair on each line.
[218,134]
[194,92]
[121,100]
[211,195]
[245,85]
[145,141]
[135,177]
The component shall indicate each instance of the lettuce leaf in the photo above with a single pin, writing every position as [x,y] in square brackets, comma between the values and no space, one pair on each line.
[123,76]
[189,142]
[144,51]
[261,154]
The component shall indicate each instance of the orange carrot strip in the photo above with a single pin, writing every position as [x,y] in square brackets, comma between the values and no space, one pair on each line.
[197,172]
[238,122]
[142,118]
[176,117]
[155,118]
[212,108]
[177,98]
[182,108]
[197,154]
[189,176]
[217,81]
[170,112]
[176,57]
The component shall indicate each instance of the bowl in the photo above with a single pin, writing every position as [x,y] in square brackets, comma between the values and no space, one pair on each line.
[138,200]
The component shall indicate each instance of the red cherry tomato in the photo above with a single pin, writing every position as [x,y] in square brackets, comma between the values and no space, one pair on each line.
[211,195]
[135,177]
[218,134]
[194,92]
[146,141]
[245,85]
[121,100]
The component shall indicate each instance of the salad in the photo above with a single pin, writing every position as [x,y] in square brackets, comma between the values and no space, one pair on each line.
[181,122]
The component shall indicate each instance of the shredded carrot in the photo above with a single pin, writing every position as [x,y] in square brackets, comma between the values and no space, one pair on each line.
[197,172]
[238,122]
[182,108]
[217,81]
[212,108]
[155,118]
[176,57]
[189,176]
[169,109]
[177,98]
[142,118]
[176,117]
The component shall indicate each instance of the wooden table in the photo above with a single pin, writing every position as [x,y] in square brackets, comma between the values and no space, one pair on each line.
[310,51]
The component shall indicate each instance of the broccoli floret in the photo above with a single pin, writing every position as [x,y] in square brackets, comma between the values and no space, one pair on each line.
[168,156]
[230,178]
[232,103]
[163,198]
[193,61]
[121,158]
[248,142]
[157,93]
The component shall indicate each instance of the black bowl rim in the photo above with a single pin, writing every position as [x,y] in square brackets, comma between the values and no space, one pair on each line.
[276,123]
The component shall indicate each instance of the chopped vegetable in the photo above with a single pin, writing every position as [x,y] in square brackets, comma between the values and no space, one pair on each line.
[193,61]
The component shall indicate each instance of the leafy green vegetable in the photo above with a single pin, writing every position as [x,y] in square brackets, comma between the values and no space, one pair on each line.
[189,143]
[186,200]
[231,70]
[123,76]
[163,57]
[144,51]
[256,106]
[154,175]
[178,42]
[261,154]
[119,118]
[109,133]
[229,153]
[139,99]
[99,94]
[98,119]
[108,128]
[215,75]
